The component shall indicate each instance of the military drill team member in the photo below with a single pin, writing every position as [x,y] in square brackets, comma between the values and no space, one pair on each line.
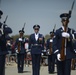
[73,62]
[64,66]
[20,45]
[36,44]
[51,56]
[4,31]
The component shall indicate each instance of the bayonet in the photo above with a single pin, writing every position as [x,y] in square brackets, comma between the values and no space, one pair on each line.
[70,12]
[5,19]
[23,27]
[54,28]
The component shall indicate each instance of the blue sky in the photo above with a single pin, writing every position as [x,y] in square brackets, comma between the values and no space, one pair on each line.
[43,12]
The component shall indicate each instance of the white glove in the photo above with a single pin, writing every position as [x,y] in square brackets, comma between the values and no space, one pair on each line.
[20,39]
[8,43]
[56,51]
[65,34]
[58,57]
[51,40]
[17,51]
[48,53]
[75,50]
[42,54]
[44,50]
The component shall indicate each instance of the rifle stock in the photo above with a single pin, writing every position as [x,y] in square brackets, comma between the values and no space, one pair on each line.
[62,53]
[19,46]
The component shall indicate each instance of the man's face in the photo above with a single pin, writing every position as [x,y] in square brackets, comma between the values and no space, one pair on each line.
[21,34]
[51,35]
[65,22]
[36,30]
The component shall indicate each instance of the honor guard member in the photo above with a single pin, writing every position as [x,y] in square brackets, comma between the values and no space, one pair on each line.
[64,66]
[20,45]
[73,62]
[4,31]
[36,44]
[51,56]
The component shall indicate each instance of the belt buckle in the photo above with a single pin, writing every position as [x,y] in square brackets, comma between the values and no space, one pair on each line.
[36,44]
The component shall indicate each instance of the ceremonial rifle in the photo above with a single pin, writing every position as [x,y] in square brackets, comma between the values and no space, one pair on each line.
[63,45]
[19,43]
[4,23]
[23,27]
[52,35]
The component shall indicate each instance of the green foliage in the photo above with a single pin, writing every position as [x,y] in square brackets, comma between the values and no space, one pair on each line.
[27,36]
[16,36]
[47,36]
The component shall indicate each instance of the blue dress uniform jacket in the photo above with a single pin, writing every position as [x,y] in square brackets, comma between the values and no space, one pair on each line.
[32,44]
[69,45]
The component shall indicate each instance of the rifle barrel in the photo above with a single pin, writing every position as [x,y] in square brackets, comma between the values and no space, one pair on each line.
[72,5]
[5,19]
[23,27]
[54,27]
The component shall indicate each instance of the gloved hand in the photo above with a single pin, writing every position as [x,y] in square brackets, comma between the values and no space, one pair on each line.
[42,54]
[20,39]
[75,50]
[17,51]
[51,40]
[48,52]
[58,57]
[56,51]
[65,34]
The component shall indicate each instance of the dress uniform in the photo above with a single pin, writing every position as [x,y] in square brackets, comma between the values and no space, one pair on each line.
[64,66]
[3,50]
[36,44]
[73,62]
[51,56]
[20,45]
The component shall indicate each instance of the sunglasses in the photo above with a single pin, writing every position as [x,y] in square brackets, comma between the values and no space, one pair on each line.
[36,29]
[64,20]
